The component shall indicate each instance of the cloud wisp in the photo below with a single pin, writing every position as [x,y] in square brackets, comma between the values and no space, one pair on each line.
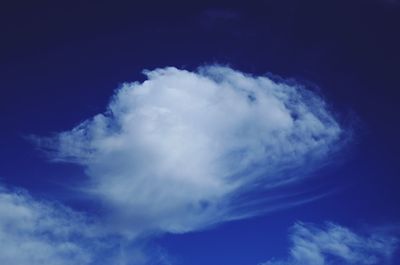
[38,232]
[176,152]
[334,245]
[34,232]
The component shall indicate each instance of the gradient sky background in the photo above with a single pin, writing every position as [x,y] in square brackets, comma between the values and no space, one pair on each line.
[60,61]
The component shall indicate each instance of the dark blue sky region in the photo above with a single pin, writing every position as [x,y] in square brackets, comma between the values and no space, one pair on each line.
[62,61]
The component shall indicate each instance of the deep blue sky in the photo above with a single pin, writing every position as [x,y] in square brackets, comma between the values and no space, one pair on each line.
[60,61]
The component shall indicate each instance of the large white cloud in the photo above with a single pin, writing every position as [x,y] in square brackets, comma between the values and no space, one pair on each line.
[334,245]
[175,152]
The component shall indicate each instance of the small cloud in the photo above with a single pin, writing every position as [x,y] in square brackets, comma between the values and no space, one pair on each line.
[34,232]
[334,245]
[177,152]
[39,232]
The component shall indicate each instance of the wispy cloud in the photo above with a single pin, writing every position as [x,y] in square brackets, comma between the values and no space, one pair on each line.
[335,244]
[38,232]
[34,232]
[174,153]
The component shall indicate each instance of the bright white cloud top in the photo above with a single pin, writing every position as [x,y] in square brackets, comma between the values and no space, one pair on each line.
[174,153]
[335,244]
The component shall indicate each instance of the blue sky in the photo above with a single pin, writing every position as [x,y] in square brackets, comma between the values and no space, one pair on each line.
[260,133]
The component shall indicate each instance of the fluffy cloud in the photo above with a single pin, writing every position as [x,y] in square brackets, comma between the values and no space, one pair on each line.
[34,232]
[335,244]
[177,152]
[38,232]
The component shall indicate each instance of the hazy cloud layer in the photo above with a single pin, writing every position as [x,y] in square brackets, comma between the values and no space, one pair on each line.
[175,152]
[336,245]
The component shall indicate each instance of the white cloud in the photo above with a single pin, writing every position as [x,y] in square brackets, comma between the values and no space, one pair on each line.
[38,232]
[334,244]
[34,232]
[173,153]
